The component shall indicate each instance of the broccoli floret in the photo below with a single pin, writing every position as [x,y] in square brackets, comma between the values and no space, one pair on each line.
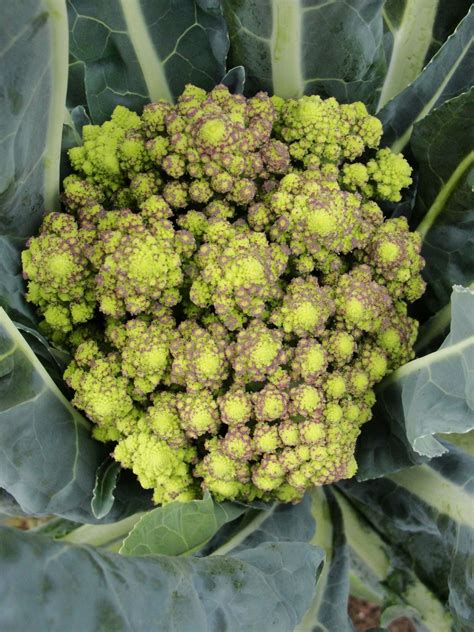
[235,406]
[305,308]
[239,273]
[257,352]
[145,353]
[229,289]
[101,391]
[159,466]
[199,360]
[198,413]
[58,273]
[111,151]
[270,403]
[361,302]
[144,268]
[394,254]
[319,131]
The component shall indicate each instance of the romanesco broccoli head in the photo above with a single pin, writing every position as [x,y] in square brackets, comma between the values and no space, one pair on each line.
[224,277]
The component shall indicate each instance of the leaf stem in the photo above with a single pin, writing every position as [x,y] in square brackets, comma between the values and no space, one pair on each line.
[410,45]
[108,536]
[285,48]
[59,69]
[151,65]
[242,535]
[444,194]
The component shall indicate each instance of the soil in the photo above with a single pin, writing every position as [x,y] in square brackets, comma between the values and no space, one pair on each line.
[365,616]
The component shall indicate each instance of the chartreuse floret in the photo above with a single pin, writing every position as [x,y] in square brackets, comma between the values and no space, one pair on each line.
[144,268]
[229,290]
[319,130]
[257,352]
[159,466]
[198,359]
[111,151]
[361,303]
[220,141]
[238,273]
[383,177]
[101,391]
[315,217]
[58,273]
[305,308]
[162,418]
[145,352]
[270,403]
[235,407]
[394,255]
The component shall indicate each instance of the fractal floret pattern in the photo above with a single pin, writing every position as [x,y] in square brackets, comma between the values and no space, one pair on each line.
[229,289]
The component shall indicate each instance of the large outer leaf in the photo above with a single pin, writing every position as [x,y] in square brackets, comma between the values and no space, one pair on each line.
[426,511]
[447,75]
[134,51]
[48,457]
[444,150]
[438,390]
[33,58]
[433,394]
[83,589]
[8,505]
[295,47]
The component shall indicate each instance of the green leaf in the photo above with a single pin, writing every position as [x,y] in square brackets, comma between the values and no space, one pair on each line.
[179,528]
[444,151]
[437,390]
[332,48]
[329,608]
[33,57]
[410,25]
[266,587]
[430,395]
[437,393]
[426,512]
[76,87]
[105,482]
[235,80]
[48,457]
[446,75]
[134,51]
